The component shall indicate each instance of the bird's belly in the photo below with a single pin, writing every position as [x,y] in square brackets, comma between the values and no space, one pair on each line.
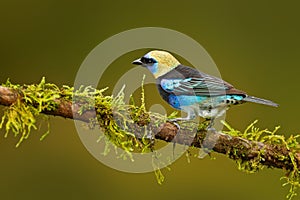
[206,107]
[181,101]
[212,113]
[205,103]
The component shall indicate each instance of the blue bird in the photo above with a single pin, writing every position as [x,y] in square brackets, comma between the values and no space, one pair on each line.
[192,91]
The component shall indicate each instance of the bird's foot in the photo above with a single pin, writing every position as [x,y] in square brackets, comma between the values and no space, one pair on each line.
[180,119]
[174,121]
[210,122]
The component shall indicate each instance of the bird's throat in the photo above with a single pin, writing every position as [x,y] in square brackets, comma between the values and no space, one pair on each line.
[159,71]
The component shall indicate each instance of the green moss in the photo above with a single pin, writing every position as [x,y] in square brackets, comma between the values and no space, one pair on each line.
[253,133]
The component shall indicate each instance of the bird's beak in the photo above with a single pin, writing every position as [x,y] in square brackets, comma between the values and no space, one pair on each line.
[137,62]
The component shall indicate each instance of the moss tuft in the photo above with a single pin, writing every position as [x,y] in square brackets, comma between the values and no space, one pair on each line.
[20,117]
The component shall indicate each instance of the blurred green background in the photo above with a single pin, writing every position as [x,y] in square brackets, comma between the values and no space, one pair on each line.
[255,45]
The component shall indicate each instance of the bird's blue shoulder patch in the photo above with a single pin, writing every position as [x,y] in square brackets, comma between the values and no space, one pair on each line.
[169,84]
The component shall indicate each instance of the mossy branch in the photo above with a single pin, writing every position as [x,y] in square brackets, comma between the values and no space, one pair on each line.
[252,149]
[275,155]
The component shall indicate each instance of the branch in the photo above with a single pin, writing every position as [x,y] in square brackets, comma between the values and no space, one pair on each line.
[237,148]
[64,109]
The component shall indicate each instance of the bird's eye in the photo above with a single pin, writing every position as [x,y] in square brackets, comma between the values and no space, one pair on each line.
[147,60]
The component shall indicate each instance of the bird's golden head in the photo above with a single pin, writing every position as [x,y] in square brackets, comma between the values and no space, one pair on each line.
[158,62]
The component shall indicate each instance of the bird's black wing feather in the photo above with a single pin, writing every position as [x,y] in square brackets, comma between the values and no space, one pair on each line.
[184,80]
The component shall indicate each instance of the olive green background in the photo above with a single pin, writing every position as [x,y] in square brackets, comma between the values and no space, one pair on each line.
[255,45]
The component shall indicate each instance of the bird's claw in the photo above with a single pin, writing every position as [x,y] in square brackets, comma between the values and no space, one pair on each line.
[174,121]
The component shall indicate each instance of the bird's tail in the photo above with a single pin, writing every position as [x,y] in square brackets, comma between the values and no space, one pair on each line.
[260,101]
